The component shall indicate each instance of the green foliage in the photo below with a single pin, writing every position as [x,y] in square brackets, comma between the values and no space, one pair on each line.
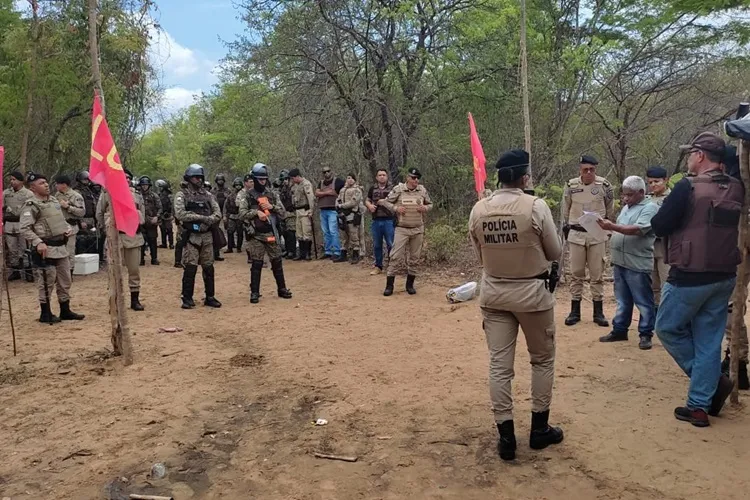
[445,241]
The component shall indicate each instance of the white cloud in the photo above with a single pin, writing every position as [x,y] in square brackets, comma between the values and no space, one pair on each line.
[178,98]
[177,61]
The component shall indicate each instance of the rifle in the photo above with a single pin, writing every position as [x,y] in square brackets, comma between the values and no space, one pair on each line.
[272,219]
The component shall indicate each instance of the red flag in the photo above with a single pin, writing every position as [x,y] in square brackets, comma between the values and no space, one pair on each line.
[480,173]
[2,159]
[105,169]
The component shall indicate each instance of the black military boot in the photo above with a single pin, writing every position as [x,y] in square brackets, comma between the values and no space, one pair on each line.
[614,337]
[14,275]
[599,318]
[67,315]
[355,257]
[209,282]
[278,274]
[742,380]
[255,273]
[410,284]
[575,313]
[725,363]
[389,281]
[542,434]
[342,257]
[188,286]
[301,254]
[309,250]
[506,445]
[46,316]
[135,303]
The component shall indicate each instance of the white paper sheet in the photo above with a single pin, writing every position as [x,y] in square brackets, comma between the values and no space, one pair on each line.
[588,221]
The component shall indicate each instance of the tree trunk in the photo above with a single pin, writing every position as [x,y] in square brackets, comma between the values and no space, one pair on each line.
[32,84]
[121,342]
[739,297]
[525,88]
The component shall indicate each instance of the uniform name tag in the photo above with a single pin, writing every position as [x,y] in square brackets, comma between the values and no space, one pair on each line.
[577,190]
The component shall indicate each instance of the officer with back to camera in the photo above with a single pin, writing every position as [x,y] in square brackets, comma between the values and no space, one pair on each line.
[515,238]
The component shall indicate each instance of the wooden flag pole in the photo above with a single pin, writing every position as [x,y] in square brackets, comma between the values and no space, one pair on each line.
[525,90]
[121,342]
[739,297]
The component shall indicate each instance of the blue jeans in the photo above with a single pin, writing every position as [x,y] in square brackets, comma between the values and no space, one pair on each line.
[382,228]
[690,324]
[634,288]
[330,225]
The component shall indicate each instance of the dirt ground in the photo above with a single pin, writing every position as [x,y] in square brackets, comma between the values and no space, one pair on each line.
[228,404]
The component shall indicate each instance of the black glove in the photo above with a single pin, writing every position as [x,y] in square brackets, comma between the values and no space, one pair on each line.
[566,230]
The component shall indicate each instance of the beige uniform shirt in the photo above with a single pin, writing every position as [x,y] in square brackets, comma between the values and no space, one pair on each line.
[35,228]
[13,202]
[103,214]
[76,208]
[517,295]
[418,196]
[302,194]
[595,197]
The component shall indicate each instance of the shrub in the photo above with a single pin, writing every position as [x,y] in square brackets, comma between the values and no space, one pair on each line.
[445,243]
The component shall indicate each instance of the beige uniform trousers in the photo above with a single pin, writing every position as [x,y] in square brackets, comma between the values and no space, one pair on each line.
[501,330]
[58,276]
[592,256]
[407,248]
[71,246]
[131,259]
[743,354]
[304,225]
[350,237]
[16,246]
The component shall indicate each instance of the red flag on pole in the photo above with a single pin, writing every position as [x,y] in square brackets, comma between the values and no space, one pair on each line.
[105,169]
[480,173]
[2,159]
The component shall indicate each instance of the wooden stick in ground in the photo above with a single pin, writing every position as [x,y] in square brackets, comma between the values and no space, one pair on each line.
[10,305]
[525,89]
[336,457]
[135,496]
[121,342]
[739,297]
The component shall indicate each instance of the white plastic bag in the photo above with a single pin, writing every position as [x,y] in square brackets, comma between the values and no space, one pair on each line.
[462,293]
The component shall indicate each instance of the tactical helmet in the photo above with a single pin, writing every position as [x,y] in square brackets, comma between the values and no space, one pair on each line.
[220,176]
[207,184]
[194,170]
[284,175]
[162,184]
[128,175]
[145,180]
[259,171]
[82,176]
[237,182]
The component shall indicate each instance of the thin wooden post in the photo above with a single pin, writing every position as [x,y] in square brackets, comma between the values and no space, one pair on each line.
[28,123]
[525,89]
[739,297]
[121,342]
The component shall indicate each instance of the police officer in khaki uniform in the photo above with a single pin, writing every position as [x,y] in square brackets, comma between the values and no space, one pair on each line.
[261,211]
[515,239]
[657,178]
[73,208]
[44,227]
[235,233]
[130,245]
[587,193]
[197,210]
[304,204]
[409,201]
[14,198]
[349,204]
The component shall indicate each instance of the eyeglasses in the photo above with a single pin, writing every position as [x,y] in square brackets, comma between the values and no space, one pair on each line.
[326,171]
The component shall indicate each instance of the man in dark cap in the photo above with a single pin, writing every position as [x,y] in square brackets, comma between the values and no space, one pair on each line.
[303,200]
[14,199]
[586,193]
[700,218]
[45,229]
[73,208]
[514,236]
[732,168]
[410,201]
[658,186]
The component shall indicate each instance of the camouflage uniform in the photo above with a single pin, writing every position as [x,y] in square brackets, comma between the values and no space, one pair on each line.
[13,202]
[73,215]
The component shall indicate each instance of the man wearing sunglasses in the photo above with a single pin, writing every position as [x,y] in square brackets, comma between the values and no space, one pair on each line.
[700,220]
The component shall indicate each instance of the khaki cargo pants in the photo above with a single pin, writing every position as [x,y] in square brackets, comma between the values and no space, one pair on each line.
[303,225]
[406,251]
[581,256]
[501,330]
[131,259]
[743,351]
[349,237]
[16,245]
[58,276]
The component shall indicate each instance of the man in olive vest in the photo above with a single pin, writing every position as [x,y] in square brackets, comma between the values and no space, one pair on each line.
[221,192]
[197,210]
[166,226]
[73,208]
[587,193]
[14,198]
[514,236]
[44,227]
[232,222]
[130,245]
[304,203]
[260,210]
[409,201]
[179,244]
[350,218]
[658,186]
[700,218]
[154,212]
